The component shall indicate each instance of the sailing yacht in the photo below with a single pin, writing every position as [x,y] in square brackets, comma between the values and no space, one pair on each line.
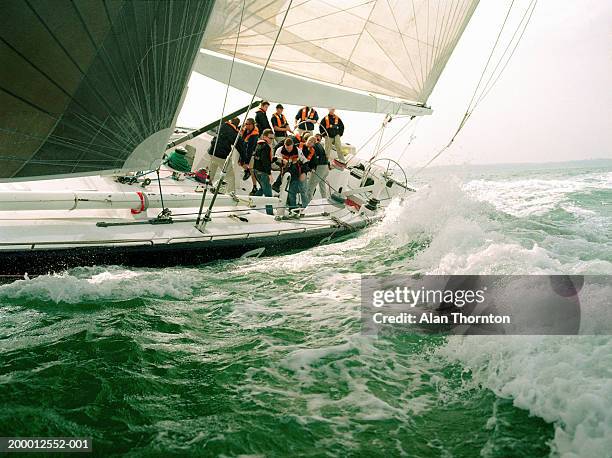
[90,93]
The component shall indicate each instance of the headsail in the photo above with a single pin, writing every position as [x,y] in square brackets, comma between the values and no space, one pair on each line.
[86,83]
[394,48]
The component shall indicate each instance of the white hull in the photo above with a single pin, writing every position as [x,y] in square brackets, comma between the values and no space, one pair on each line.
[96,220]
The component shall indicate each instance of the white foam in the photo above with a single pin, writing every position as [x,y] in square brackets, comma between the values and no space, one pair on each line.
[111,284]
[535,196]
[565,380]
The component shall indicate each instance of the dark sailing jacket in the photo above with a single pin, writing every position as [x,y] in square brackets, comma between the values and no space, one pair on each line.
[306,118]
[261,120]
[279,121]
[250,140]
[224,140]
[320,158]
[332,126]
[263,157]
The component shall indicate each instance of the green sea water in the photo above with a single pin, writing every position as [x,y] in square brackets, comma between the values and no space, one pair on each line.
[265,357]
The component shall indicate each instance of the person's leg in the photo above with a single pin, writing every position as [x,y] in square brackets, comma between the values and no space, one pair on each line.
[212,168]
[312,182]
[303,190]
[292,194]
[230,176]
[322,172]
[328,146]
[338,144]
[265,189]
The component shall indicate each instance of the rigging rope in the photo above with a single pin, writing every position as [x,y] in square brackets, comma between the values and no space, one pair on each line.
[490,82]
[229,157]
[224,103]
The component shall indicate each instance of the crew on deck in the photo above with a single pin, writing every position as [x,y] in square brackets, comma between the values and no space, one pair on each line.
[280,124]
[301,154]
[305,119]
[319,167]
[262,166]
[250,136]
[294,162]
[332,129]
[221,147]
[261,118]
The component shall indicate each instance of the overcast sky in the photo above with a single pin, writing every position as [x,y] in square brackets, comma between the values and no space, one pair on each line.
[553,102]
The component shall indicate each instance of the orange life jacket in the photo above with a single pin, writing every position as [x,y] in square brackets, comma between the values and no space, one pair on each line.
[311,152]
[254,132]
[327,124]
[281,120]
[231,125]
[310,115]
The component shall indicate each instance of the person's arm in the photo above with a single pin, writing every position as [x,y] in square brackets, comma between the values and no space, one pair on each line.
[278,155]
[298,116]
[240,145]
[252,144]
[322,130]
[340,127]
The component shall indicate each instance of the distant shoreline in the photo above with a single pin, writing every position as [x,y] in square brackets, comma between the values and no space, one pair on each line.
[575,164]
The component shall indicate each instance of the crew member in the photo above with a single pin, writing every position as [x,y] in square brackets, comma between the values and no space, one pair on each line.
[332,129]
[280,124]
[261,118]
[262,166]
[250,136]
[296,164]
[319,168]
[305,119]
[221,147]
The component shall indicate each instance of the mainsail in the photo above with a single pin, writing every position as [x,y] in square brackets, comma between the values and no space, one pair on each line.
[86,85]
[389,48]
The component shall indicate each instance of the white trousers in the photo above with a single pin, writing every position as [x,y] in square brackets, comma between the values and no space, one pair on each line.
[337,142]
[216,163]
[318,177]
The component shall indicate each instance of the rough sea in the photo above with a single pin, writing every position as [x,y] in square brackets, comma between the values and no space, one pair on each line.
[264,357]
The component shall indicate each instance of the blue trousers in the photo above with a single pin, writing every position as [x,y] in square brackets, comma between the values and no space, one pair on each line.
[297,187]
[265,188]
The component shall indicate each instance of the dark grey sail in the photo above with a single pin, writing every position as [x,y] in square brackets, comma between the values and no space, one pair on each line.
[84,82]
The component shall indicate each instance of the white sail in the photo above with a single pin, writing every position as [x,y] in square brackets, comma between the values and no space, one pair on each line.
[395,48]
[296,90]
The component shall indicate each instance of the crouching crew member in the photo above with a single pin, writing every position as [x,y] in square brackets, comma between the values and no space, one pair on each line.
[305,119]
[332,129]
[296,164]
[319,168]
[280,124]
[261,118]
[262,166]
[221,148]
[250,136]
